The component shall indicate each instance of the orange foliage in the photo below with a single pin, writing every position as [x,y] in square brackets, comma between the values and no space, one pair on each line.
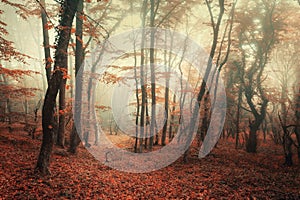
[17,74]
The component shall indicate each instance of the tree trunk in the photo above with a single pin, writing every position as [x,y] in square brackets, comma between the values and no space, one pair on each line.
[201,92]
[74,140]
[91,101]
[142,79]
[8,109]
[47,54]
[68,13]
[238,118]
[152,69]
[146,119]
[172,119]
[94,121]
[74,137]
[287,147]
[137,102]
[251,144]
[167,70]
[46,41]
[205,120]
[265,129]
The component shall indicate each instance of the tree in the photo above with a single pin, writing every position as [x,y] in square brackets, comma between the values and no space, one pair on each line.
[161,14]
[74,137]
[142,77]
[256,39]
[286,58]
[60,69]
[11,80]
[60,128]
[297,110]
[46,44]
[90,26]
[153,11]
[216,27]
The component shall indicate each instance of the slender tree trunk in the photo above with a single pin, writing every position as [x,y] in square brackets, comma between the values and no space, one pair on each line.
[172,119]
[142,79]
[238,112]
[46,44]
[61,59]
[93,111]
[47,55]
[167,70]
[8,109]
[164,133]
[9,114]
[147,118]
[143,108]
[71,79]
[152,69]
[26,110]
[137,102]
[207,72]
[27,126]
[275,132]
[265,129]
[76,130]
[182,99]
[94,119]
[287,143]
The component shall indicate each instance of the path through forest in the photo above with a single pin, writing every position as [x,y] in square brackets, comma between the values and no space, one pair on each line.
[225,173]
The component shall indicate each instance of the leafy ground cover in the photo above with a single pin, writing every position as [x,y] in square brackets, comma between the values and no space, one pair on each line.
[226,173]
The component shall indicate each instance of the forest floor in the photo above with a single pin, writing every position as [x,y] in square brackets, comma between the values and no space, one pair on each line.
[226,173]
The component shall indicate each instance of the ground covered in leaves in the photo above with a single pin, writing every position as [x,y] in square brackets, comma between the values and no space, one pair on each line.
[226,173]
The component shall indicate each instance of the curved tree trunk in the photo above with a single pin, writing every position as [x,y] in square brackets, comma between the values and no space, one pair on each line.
[47,54]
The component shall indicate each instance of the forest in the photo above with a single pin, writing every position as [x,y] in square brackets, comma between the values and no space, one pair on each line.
[150,99]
